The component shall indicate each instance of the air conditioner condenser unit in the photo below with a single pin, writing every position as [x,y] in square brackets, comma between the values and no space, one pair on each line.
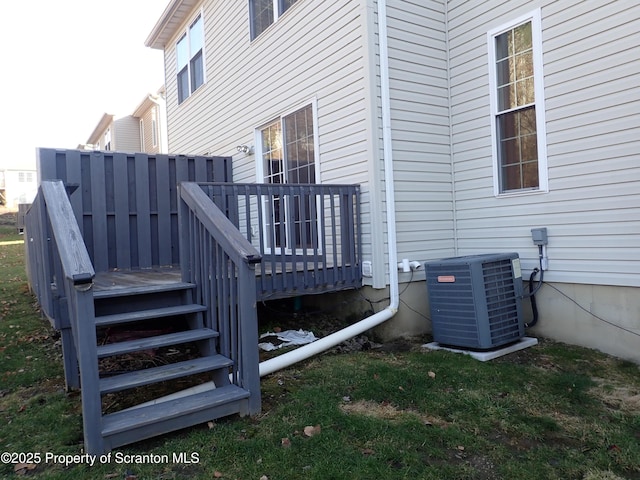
[476,300]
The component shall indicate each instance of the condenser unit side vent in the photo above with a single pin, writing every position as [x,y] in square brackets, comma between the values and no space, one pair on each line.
[476,300]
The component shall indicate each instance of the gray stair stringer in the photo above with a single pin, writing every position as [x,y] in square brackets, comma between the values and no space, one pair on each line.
[156,418]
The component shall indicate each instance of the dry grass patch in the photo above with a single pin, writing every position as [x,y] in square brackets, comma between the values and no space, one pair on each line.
[387,411]
[617,395]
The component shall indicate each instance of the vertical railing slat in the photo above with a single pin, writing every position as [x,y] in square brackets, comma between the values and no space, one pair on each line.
[121,211]
[164,210]
[143,210]
[99,214]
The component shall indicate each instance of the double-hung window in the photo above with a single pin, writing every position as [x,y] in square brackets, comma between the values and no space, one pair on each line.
[288,150]
[517,106]
[190,60]
[265,12]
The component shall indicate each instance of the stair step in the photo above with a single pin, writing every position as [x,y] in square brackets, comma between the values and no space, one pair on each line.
[163,373]
[141,289]
[119,348]
[148,314]
[136,424]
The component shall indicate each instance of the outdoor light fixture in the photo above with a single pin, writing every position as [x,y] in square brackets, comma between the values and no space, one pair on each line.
[244,149]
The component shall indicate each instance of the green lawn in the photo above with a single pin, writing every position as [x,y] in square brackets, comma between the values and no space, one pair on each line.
[548,412]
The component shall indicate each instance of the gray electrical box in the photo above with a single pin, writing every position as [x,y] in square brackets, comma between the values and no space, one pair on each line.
[539,236]
[476,300]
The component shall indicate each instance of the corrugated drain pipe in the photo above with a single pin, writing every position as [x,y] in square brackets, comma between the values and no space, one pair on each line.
[325,343]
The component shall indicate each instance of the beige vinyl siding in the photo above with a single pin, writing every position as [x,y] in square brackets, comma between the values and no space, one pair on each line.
[147,119]
[251,83]
[125,134]
[591,73]
[420,126]
[248,84]
[330,59]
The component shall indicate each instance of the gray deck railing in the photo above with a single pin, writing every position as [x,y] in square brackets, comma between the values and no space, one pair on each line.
[221,263]
[307,234]
[61,275]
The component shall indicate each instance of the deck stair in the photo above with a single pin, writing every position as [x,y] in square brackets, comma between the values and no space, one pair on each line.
[145,319]
[101,232]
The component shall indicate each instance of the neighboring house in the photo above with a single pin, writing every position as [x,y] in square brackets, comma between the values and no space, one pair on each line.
[17,186]
[152,123]
[503,116]
[145,130]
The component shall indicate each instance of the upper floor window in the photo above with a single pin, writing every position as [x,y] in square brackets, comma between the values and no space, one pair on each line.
[517,106]
[190,61]
[107,139]
[264,12]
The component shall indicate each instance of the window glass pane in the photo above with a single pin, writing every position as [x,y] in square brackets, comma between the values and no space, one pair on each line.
[285,4]
[518,149]
[196,37]
[527,121]
[182,52]
[529,148]
[299,146]
[522,39]
[197,72]
[514,68]
[272,153]
[261,16]
[183,84]
[530,175]
[510,178]
[503,43]
[523,65]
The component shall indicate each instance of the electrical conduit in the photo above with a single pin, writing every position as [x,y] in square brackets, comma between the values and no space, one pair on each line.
[325,343]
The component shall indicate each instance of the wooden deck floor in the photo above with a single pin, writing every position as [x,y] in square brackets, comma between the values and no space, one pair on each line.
[271,282]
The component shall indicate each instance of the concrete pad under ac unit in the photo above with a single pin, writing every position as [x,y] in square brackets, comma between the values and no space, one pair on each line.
[485,356]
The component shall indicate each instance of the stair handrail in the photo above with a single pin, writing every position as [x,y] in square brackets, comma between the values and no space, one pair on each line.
[197,212]
[216,222]
[74,257]
[56,246]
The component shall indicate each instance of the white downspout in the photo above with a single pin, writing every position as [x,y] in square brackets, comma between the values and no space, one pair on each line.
[325,343]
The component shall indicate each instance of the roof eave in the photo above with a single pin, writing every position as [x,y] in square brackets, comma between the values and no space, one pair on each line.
[104,122]
[171,19]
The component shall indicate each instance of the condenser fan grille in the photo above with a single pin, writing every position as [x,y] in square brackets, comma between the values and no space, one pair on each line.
[502,305]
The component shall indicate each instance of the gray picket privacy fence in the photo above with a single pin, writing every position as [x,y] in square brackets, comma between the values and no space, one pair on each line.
[126,204]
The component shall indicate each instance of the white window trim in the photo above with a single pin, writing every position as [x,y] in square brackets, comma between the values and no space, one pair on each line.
[535,17]
[186,32]
[316,162]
